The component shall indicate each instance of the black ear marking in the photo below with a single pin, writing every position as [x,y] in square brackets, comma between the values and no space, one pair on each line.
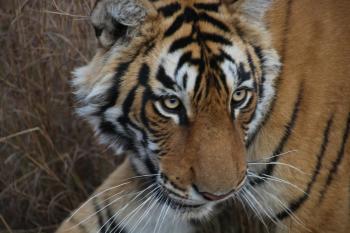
[98,31]
[120,29]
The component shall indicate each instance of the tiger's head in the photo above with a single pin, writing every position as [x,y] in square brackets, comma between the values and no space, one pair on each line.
[181,87]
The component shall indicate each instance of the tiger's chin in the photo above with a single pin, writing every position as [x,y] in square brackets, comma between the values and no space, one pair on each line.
[192,212]
[185,209]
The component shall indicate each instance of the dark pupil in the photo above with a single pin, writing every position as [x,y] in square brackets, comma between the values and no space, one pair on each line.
[173,100]
[239,93]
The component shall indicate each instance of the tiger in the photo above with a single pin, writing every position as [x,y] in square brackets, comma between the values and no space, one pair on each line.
[219,106]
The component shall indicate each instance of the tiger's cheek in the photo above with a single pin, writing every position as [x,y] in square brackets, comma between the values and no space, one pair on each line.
[160,128]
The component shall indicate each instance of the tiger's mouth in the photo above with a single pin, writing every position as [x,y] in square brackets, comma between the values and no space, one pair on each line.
[186,204]
[176,201]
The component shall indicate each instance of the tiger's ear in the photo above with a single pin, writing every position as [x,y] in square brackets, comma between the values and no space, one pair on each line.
[252,10]
[116,20]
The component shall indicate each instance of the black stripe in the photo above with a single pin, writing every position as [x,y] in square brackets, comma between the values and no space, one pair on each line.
[259,53]
[340,155]
[107,127]
[164,79]
[113,91]
[286,29]
[190,15]
[251,63]
[144,74]
[222,82]
[147,95]
[287,132]
[209,19]
[170,9]
[181,43]
[129,122]
[214,38]
[207,6]
[124,119]
[223,55]
[151,167]
[175,26]
[199,93]
[101,221]
[296,204]
[243,75]
[186,58]
[185,78]
[129,100]
[198,79]
[150,45]
[183,118]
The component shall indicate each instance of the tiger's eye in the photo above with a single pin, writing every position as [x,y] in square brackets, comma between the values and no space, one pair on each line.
[239,95]
[171,102]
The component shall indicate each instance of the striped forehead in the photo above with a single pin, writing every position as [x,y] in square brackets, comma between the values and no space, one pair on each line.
[179,71]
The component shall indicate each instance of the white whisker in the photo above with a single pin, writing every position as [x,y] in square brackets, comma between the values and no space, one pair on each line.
[127,205]
[274,156]
[285,207]
[160,213]
[94,196]
[126,182]
[93,214]
[276,179]
[255,210]
[272,218]
[280,163]
[164,216]
[153,202]
[133,213]
[260,206]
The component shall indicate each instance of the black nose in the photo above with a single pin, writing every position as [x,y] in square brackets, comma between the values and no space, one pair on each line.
[214,197]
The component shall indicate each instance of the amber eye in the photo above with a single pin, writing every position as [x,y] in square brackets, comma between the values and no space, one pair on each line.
[171,102]
[239,96]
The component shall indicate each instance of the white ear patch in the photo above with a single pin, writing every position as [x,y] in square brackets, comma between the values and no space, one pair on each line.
[255,9]
[251,10]
[126,12]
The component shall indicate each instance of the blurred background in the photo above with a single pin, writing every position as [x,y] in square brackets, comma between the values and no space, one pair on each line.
[49,160]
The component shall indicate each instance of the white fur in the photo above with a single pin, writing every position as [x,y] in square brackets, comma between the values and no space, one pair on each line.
[271,69]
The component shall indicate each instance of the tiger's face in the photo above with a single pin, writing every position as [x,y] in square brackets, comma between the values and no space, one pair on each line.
[181,87]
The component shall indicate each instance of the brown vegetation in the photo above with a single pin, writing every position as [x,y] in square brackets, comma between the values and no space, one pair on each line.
[49,161]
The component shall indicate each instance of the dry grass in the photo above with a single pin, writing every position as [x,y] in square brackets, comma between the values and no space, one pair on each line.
[49,162]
